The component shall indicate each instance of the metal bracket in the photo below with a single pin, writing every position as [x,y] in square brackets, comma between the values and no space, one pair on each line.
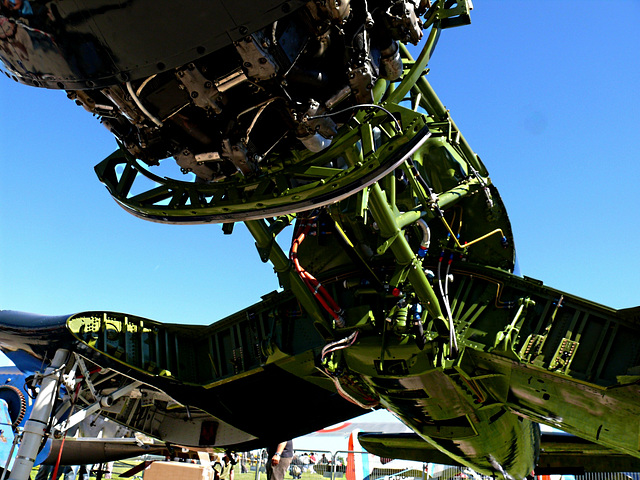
[532,349]
[506,339]
[102,401]
[564,355]
[202,91]
[451,13]
[86,375]
[385,246]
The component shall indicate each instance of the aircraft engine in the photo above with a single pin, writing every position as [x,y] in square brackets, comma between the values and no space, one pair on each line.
[285,86]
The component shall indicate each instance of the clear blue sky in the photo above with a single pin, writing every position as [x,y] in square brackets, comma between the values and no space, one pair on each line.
[545,92]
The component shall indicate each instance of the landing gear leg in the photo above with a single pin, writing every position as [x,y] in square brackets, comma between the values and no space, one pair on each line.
[35,427]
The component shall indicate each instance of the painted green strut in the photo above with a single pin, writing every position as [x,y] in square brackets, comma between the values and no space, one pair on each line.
[398,287]
[402,257]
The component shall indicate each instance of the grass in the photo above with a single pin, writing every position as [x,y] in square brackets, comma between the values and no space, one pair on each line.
[121,467]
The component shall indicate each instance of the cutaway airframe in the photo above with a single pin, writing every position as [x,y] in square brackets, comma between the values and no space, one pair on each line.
[398,291]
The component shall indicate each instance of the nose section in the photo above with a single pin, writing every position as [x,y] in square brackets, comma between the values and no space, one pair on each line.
[29,339]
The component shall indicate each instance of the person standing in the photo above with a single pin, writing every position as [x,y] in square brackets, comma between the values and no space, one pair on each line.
[278,460]
[223,466]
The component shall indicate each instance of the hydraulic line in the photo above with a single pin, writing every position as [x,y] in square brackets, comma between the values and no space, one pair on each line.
[261,108]
[340,345]
[64,437]
[55,469]
[444,292]
[426,238]
[387,221]
[343,235]
[357,107]
[149,115]
[439,213]
[265,241]
[446,284]
[316,288]
[453,342]
[468,244]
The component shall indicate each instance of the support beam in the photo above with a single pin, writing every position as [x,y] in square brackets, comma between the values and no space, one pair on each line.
[102,402]
[267,245]
[35,427]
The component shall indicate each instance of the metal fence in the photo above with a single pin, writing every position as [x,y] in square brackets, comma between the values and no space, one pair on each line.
[360,465]
[322,464]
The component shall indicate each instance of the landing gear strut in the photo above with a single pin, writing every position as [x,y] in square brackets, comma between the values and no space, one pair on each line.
[35,427]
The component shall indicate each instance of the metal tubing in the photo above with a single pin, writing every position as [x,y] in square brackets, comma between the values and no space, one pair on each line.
[417,70]
[445,200]
[35,427]
[135,98]
[407,218]
[430,99]
[401,249]
[103,402]
[441,112]
[265,240]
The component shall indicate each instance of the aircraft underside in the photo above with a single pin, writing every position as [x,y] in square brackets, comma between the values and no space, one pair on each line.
[515,366]
[398,291]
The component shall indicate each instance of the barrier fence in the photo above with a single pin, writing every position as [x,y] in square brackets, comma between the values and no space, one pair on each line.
[355,465]
[360,465]
[251,467]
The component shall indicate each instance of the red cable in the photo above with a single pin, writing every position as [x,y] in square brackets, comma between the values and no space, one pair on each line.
[55,470]
[318,290]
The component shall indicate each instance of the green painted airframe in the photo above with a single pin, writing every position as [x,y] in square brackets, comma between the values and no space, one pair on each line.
[398,293]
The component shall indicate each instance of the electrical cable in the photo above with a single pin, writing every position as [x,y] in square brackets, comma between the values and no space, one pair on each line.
[440,214]
[453,342]
[349,398]
[144,84]
[64,437]
[317,289]
[340,345]
[137,101]
[355,107]
[472,385]
[446,284]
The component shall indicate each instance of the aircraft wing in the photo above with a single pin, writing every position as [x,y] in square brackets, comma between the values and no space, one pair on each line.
[228,384]
[560,453]
[402,294]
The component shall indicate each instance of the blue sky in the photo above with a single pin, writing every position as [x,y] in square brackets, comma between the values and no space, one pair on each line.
[545,92]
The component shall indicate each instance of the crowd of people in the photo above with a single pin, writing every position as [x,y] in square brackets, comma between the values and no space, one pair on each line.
[281,459]
[307,463]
